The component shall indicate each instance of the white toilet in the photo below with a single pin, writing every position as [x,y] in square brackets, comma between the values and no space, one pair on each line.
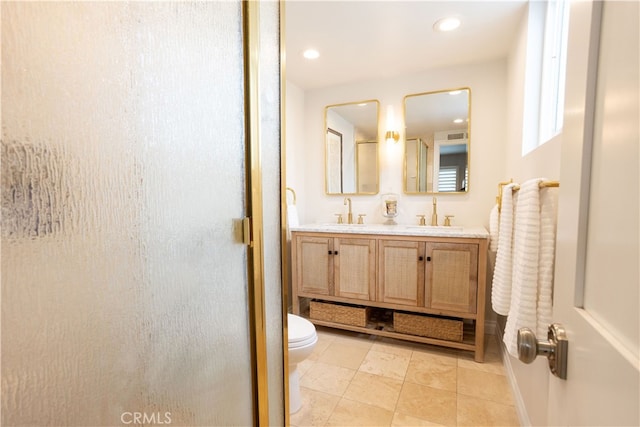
[302,341]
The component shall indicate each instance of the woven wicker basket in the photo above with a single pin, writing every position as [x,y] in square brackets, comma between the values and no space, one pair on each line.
[428,326]
[338,313]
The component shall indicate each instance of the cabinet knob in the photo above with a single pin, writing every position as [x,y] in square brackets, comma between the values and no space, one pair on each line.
[428,258]
[335,252]
[420,258]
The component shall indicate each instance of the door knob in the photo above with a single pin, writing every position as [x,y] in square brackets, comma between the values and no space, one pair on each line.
[555,348]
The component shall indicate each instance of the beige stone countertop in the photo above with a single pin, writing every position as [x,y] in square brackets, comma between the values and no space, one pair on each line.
[400,230]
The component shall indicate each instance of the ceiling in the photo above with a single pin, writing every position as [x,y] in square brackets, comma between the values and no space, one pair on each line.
[368,40]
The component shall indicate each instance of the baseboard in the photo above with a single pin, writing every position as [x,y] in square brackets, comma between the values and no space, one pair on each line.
[521,409]
[490,327]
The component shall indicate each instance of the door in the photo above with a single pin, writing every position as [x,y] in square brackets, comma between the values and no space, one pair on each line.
[596,281]
[452,277]
[313,265]
[354,268]
[125,294]
[401,272]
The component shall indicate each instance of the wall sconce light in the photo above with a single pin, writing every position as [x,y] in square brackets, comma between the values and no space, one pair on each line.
[392,136]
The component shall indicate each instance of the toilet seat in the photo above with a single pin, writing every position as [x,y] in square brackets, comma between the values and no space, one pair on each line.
[301,332]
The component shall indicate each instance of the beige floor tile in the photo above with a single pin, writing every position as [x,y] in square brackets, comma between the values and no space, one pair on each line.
[479,412]
[427,403]
[401,420]
[327,378]
[433,373]
[492,363]
[321,345]
[374,390]
[433,350]
[345,354]
[352,413]
[386,364]
[304,366]
[316,408]
[484,385]
[442,358]
[393,348]
[360,340]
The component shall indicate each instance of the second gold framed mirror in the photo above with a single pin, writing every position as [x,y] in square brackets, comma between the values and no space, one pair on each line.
[436,157]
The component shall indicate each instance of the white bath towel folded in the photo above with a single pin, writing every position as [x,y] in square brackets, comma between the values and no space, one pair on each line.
[292,219]
[501,285]
[533,252]
[494,223]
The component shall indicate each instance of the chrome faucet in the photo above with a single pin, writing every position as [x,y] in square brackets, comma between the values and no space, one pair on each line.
[347,200]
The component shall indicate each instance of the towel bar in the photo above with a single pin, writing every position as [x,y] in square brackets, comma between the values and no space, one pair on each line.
[542,184]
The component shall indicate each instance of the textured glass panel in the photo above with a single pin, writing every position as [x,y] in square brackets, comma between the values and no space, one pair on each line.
[122,169]
[269,68]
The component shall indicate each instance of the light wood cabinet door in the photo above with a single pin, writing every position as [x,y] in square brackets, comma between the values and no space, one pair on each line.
[314,264]
[354,268]
[451,276]
[401,272]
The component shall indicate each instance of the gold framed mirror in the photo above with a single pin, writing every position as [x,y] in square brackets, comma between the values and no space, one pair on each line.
[351,148]
[436,155]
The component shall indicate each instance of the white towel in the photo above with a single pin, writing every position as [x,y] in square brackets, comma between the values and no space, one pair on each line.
[547,257]
[502,272]
[494,223]
[292,219]
[523,311]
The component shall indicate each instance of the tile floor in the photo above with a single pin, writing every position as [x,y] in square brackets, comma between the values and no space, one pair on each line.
[360,380]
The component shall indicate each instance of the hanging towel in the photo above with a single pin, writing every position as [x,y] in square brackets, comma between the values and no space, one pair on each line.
[526,258]
[501,284]
[546,261]
[292,219]
[494,223]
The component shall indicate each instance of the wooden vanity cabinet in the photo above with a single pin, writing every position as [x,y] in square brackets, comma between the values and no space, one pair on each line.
[436,277]
[341,267]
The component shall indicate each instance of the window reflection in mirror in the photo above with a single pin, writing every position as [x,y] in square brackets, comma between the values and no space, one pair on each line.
[436,156]
[351,147]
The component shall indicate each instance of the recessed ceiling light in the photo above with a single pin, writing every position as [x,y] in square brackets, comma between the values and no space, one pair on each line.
[458,121]
[311,54]
[362,104]
[446,24]
[455,92]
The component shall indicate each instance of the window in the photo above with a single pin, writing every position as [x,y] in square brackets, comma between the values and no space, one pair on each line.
[545,70]
[553,70]
[447,178]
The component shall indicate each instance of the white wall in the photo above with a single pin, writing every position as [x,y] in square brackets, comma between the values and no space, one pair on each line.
[294,142]
[305,145]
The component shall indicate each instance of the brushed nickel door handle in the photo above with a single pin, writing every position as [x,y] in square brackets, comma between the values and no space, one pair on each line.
[555,348]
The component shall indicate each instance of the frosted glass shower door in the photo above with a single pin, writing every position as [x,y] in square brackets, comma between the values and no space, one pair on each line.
[124,293]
